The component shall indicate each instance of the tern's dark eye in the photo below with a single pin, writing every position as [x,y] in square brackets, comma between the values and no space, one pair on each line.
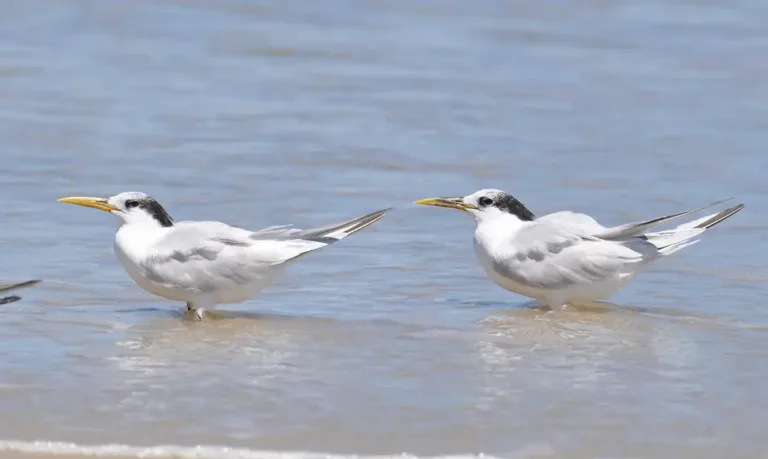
[131,204]
[485,201]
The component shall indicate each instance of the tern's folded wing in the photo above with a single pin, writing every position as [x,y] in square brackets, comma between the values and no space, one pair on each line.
[209,256]
[553,257]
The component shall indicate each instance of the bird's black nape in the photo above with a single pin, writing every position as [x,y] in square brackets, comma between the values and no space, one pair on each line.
[156,211]
[513,206]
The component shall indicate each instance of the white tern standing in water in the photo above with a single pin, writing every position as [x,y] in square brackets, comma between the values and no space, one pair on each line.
[567,257]
[205,263]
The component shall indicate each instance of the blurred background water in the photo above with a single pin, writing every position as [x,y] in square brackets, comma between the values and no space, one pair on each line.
[393,341]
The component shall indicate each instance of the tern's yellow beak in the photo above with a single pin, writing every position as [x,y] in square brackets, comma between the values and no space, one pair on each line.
[96,203]
[451,203]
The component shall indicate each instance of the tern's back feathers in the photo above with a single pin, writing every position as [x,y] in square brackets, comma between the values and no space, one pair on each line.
[589,226]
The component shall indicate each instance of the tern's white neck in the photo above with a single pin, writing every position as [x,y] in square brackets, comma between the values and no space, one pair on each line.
[134,239]
[136,216]
[494,217]
[497,228]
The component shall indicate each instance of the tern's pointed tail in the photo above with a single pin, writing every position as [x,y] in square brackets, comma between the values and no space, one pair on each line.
[670,241]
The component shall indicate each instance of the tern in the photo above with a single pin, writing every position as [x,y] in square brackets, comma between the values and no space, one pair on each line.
[8,288]
[204,263]
[567,257]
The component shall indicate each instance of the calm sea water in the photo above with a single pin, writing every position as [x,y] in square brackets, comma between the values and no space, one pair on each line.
[393,341]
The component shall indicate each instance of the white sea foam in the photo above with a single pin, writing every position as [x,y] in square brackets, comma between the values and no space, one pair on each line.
[50,448]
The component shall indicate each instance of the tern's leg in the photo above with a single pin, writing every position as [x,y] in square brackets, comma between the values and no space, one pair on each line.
[554,304]
[198,312]
[199,305]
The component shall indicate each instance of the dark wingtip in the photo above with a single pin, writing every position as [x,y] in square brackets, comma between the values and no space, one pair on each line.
[25,284]
[367,220]
[382,212]
[378,214]
[9,299]
[721,216]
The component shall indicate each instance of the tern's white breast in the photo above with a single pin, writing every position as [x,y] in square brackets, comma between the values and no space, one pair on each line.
[131,246]
[486,261]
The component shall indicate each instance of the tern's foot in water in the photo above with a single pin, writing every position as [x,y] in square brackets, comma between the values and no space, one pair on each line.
[547,307]
[196,312]
[9,299]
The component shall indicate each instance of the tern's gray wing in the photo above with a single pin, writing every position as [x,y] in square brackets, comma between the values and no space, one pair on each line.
[203,257]
[551,256]
[208,256]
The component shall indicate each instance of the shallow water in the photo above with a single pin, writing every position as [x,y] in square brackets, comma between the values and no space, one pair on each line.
[392,341]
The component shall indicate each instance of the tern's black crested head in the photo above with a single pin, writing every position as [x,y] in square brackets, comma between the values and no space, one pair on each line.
[132,201]
[504,202]
[157,211]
